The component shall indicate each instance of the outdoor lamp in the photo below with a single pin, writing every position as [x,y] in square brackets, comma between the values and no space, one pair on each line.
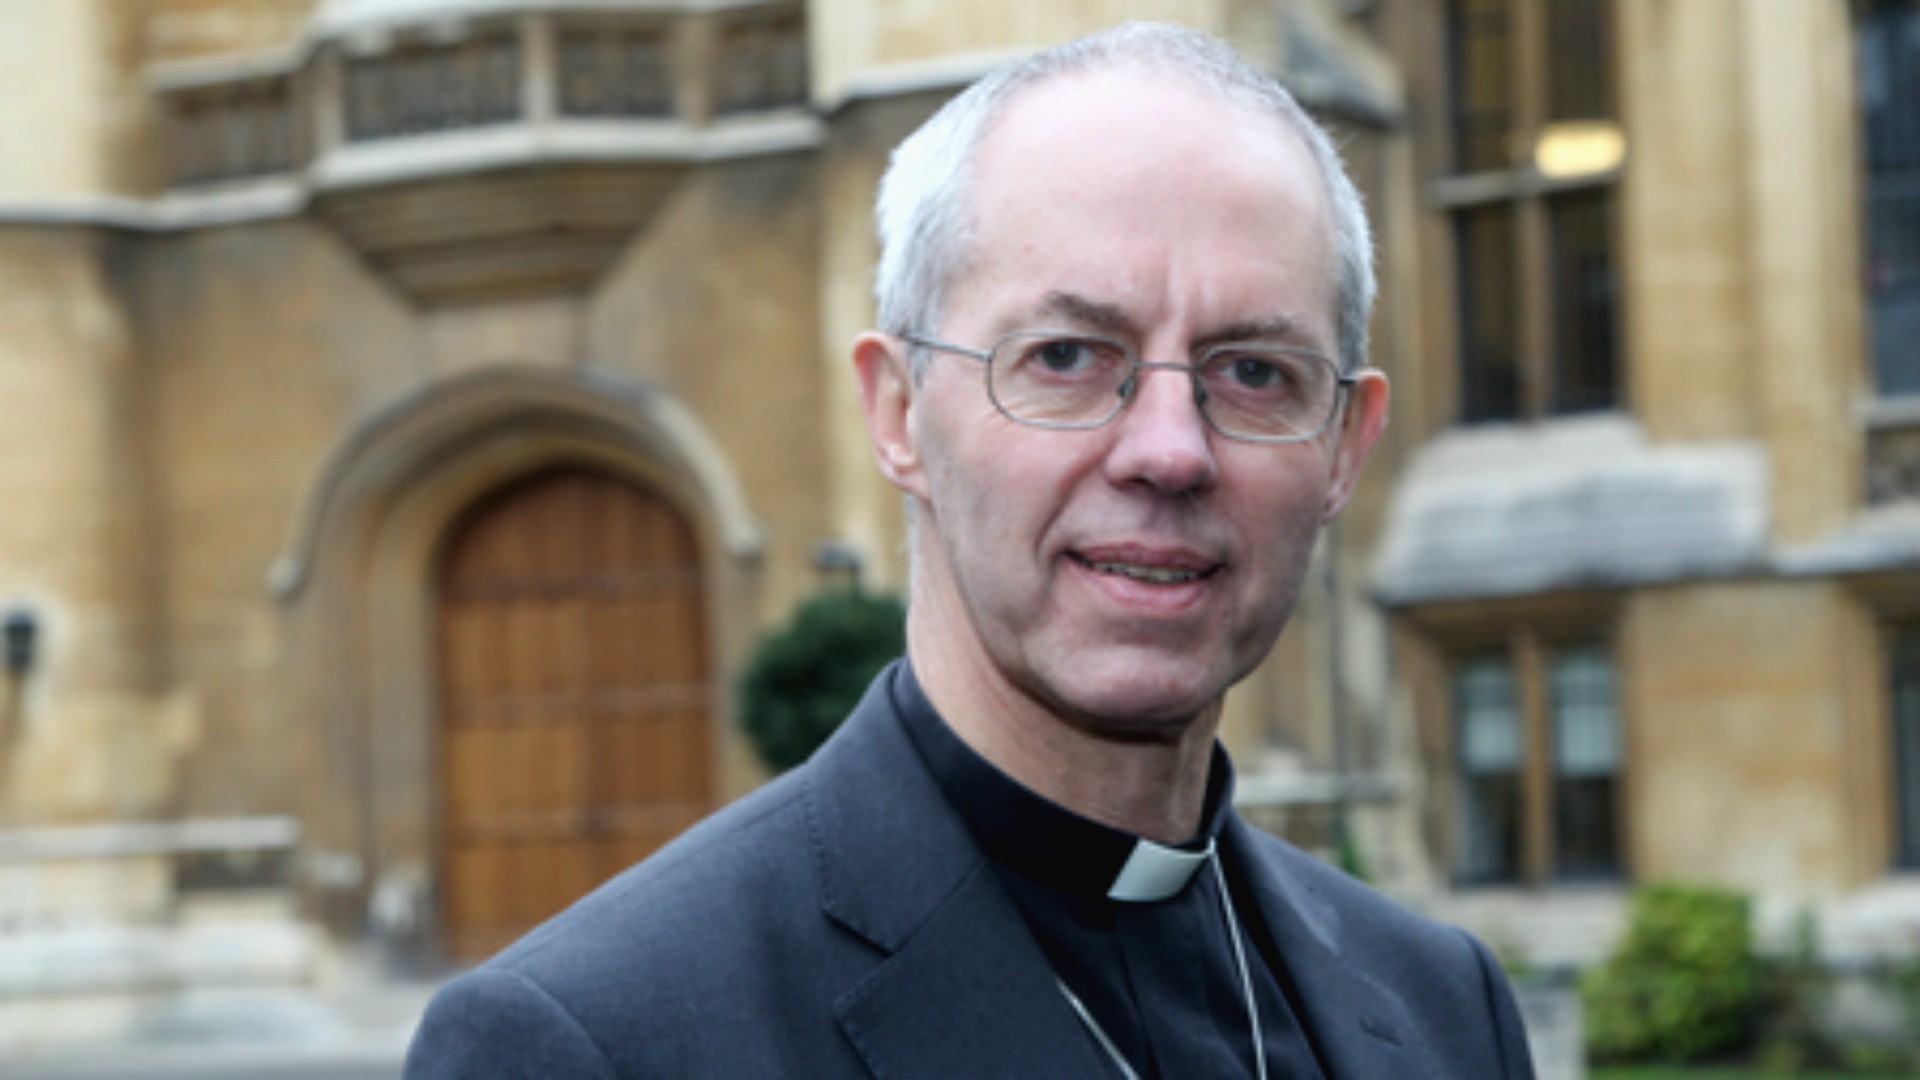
[22,633]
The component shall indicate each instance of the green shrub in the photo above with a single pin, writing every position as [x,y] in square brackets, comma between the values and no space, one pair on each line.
[1682,984]
[803,679]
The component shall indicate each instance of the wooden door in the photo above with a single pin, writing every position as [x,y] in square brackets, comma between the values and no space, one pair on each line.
[574,699]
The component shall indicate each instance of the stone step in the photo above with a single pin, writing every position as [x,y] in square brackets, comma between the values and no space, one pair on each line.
[105,958]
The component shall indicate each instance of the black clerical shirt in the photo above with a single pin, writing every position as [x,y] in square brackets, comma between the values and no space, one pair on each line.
[1159,976]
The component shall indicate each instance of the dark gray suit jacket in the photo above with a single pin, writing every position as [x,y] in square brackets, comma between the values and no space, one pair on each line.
[841,922]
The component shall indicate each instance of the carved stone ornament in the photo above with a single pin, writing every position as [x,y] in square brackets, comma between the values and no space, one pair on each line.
[245,128]
[1893,463]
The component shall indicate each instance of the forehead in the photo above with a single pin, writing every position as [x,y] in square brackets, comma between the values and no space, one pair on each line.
[1127,180]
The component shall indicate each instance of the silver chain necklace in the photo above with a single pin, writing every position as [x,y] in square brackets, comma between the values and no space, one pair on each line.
[1246,987]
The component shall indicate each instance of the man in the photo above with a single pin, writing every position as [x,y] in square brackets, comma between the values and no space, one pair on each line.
[1124,288]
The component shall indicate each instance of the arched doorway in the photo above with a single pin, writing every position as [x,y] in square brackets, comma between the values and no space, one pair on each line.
[574,727]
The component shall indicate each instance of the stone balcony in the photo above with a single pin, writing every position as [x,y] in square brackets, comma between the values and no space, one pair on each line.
[474,150]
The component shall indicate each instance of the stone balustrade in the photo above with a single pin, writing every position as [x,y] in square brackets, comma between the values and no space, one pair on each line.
[687,65]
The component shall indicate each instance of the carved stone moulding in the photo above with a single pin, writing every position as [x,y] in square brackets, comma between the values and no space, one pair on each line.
[235,129]
[762,62]
[431,86]
[1893,461]
[532,230]
[618,69]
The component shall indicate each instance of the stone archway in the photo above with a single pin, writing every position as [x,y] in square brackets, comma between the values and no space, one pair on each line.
[357,583]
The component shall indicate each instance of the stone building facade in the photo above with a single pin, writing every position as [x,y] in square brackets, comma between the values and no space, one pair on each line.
[1651,556]
[416,409]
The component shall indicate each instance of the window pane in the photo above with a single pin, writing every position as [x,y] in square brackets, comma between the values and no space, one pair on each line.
[1482,86]
[1580,67]
[1888,52]
[1586,764]
[1487,719]
[1903,659]
[1489,324]
[1584,298]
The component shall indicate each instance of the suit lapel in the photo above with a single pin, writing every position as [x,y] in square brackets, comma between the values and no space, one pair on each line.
[970,995]
[1361,1029]
[962,989]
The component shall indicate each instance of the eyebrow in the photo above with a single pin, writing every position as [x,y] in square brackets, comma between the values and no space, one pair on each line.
[1112,319]
[1090,313]
[1279,329]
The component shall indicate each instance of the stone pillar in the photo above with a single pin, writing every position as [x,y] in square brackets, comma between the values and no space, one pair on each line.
[85,739]
[1802,175]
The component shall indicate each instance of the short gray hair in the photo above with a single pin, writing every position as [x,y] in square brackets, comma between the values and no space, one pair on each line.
[922,212]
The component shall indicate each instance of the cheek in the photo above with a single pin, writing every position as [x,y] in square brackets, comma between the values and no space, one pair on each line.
[1283,539]
[1011,481]
[978,506]
[1287,502]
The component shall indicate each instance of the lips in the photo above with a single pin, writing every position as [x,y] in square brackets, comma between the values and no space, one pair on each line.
[1148,566]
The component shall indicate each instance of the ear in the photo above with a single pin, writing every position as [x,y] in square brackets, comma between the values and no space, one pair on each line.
[1361,424]
[886,397]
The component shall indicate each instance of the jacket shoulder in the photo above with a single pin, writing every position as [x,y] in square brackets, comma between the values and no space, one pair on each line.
[495,1024]
[1453,993]
[1365,917]
[727,921]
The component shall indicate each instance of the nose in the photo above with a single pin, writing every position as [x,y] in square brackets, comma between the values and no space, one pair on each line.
[1162,441]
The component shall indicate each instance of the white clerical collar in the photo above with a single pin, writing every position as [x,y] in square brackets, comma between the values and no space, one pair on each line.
[1156,872]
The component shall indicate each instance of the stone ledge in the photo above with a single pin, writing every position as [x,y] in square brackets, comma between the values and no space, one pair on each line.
[105,958]
[1582,502]
[1314,788]
[1880,538]
[527,144]
[131,839]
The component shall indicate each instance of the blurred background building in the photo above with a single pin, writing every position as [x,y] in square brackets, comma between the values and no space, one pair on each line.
[413,411]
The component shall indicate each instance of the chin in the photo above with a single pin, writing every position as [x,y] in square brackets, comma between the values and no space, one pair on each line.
[1136,703]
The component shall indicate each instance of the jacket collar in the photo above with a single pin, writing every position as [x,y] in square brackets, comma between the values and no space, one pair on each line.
[963,989]
[887,848]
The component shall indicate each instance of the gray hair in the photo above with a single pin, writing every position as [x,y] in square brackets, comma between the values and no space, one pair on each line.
[922,211]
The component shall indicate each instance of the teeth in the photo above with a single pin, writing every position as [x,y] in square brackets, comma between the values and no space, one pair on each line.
[1153,575]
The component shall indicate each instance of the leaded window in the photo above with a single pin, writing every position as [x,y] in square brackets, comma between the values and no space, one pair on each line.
[1531,191]
[1538,764]
[1586,764]
[1888,73]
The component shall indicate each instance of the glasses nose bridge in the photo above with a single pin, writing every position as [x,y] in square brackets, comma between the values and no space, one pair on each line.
[1130,389]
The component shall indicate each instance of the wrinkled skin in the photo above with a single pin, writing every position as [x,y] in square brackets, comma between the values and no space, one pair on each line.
[1083,600]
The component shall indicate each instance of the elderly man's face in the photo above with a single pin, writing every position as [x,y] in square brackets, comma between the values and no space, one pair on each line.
[1124,577]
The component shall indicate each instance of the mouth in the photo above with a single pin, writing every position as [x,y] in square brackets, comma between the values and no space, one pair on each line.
[1178,571]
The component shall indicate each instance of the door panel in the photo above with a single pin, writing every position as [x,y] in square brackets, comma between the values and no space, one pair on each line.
[575,704]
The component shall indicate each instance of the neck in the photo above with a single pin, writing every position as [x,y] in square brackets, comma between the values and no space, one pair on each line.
[1151,787]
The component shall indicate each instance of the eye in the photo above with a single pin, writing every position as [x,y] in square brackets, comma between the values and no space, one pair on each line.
[1060,357]
[1269,375]
[1064,355]
[1251,372]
